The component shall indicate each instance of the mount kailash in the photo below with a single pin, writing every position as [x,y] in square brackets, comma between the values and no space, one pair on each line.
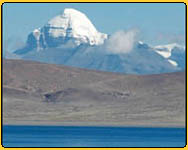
[71,39]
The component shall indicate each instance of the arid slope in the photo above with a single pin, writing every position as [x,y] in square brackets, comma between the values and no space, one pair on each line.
[44,94]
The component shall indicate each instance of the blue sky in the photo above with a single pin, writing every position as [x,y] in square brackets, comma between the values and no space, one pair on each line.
[158,23]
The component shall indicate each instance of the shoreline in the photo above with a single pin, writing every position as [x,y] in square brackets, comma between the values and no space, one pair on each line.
[92,124]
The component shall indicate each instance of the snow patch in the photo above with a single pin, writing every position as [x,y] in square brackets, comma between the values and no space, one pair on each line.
[169,47]
[165,50]
[173,62]
[140,42]
[165,54]
[36,33]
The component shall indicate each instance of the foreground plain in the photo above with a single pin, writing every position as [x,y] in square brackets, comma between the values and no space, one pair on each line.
[47,94]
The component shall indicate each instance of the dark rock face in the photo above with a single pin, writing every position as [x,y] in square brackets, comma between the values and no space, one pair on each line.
[48,41]
[45,41]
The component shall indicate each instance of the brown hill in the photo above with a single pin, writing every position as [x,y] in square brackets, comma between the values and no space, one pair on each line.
[36,93]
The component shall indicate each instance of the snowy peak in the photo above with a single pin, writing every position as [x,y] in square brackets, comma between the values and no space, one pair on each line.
[74,24]
[165,50]
[71,19]
[71,28]
[174,53]
[169,47]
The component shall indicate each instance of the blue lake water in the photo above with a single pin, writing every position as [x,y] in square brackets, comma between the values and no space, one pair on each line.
[70,136]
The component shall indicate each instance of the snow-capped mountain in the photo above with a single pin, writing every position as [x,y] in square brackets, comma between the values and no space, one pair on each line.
[74,24]
[165,50]
[174,53]
[70,27]
[71,39]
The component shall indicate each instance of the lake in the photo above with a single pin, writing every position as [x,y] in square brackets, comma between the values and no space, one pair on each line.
[73,136]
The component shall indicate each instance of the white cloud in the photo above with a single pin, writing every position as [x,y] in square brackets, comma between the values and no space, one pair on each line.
[121,41]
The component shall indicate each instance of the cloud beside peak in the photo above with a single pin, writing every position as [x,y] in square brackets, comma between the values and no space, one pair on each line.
[121,41]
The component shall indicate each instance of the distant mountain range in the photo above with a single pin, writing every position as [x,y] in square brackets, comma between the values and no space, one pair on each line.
[71,39]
